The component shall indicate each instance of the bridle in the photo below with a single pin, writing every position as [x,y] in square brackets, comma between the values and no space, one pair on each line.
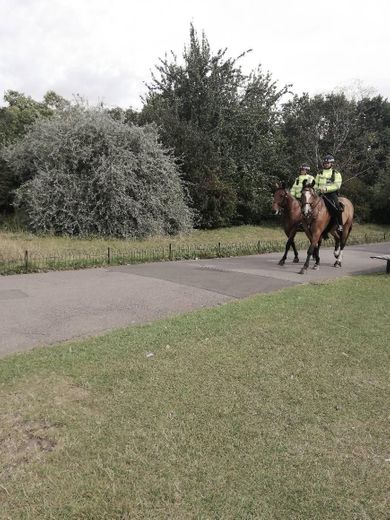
[312,205]
[283,202]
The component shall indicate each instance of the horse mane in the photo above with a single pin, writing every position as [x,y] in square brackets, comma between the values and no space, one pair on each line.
[307,184]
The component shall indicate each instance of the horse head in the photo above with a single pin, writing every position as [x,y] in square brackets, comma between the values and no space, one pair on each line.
[309,198]
[280,196]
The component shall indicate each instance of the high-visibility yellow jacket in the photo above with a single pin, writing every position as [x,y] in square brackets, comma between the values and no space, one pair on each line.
[296,188]
[328,181]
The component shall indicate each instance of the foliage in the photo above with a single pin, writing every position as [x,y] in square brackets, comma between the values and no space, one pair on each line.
[314,126]
[223,125]
[15,119]
[84,173]
[356,132]
[232,137]
[381,198]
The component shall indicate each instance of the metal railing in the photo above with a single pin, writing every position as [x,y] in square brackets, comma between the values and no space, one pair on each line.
[33,262]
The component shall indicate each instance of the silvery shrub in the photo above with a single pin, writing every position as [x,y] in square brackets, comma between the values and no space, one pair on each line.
[84,173]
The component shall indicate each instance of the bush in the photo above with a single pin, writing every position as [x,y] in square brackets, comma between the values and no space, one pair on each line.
[84,173]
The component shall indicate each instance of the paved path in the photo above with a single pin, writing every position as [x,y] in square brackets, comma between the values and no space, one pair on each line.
[43,308]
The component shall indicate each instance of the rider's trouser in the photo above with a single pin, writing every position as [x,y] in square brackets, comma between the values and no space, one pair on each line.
[333,205]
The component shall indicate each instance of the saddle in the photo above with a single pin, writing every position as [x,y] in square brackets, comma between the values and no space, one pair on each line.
[330,204]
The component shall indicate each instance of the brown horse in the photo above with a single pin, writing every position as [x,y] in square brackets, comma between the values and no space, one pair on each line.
[289,208]
[317,222]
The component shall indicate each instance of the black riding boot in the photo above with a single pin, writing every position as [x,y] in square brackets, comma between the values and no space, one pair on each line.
[340,221]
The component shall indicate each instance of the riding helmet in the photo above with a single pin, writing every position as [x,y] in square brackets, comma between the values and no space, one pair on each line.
[328,158]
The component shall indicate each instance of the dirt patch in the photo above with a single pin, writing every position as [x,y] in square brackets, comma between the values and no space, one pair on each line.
[24,436]
[23,441]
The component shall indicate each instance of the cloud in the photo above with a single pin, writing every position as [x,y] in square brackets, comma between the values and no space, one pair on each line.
[105,50]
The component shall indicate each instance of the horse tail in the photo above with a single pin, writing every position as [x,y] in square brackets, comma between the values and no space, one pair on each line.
[349,230]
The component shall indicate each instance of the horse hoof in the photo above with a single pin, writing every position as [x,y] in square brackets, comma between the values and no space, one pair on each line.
[281,262]
[337,264]
[302,271]
[316,267]
[296,260]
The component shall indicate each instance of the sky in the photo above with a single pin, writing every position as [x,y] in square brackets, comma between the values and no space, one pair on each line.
[105,51]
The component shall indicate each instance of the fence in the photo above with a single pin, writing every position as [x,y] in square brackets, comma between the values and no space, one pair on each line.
[29,262]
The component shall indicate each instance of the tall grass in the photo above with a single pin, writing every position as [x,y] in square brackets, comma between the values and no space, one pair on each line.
[24,252]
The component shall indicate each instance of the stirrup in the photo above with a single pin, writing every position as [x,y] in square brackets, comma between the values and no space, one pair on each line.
[339,228]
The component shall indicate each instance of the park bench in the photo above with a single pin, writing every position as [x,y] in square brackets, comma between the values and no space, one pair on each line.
[384,257]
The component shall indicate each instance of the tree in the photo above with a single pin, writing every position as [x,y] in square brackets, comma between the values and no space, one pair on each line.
[326,123]
[314,126]
[223,125]
[356,132]
[15,120]
[381,198]
[373,150]
[83,173]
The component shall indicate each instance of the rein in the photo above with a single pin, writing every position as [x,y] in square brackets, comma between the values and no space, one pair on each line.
[283,203]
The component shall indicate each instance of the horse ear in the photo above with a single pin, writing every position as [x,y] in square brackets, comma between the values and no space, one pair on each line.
[283,185]
[277,185]
[304,183]
[312,183]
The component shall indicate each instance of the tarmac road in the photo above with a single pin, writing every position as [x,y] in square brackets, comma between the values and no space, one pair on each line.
[45,308]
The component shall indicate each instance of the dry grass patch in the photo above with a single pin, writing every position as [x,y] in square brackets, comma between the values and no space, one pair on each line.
[14,244]
[23,441]
[28,431]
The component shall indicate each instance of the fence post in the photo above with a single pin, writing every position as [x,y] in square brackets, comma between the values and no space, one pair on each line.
[170,251]
[219,248]
[109,255]
[26,261]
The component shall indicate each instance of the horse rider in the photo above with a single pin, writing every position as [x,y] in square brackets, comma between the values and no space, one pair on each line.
[304,175]
[327,183]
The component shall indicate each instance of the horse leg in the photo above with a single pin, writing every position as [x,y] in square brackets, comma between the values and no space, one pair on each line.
[290,242]
[283,259]
[296,258]
[339,256]
[307,262]
[337,242]
[344,237]
[316,255]
[312,248]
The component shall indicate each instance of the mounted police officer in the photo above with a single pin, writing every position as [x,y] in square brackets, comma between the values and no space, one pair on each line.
[327,183]
[304,175]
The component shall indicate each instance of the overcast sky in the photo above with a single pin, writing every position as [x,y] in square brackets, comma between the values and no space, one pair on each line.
[105,50]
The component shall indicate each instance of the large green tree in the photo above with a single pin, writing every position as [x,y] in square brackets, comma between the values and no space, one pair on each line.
[224,127]
[314,126]
[372,149]
[355,132]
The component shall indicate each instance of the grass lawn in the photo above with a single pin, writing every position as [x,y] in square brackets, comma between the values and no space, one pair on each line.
[14,244]
[274,407]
